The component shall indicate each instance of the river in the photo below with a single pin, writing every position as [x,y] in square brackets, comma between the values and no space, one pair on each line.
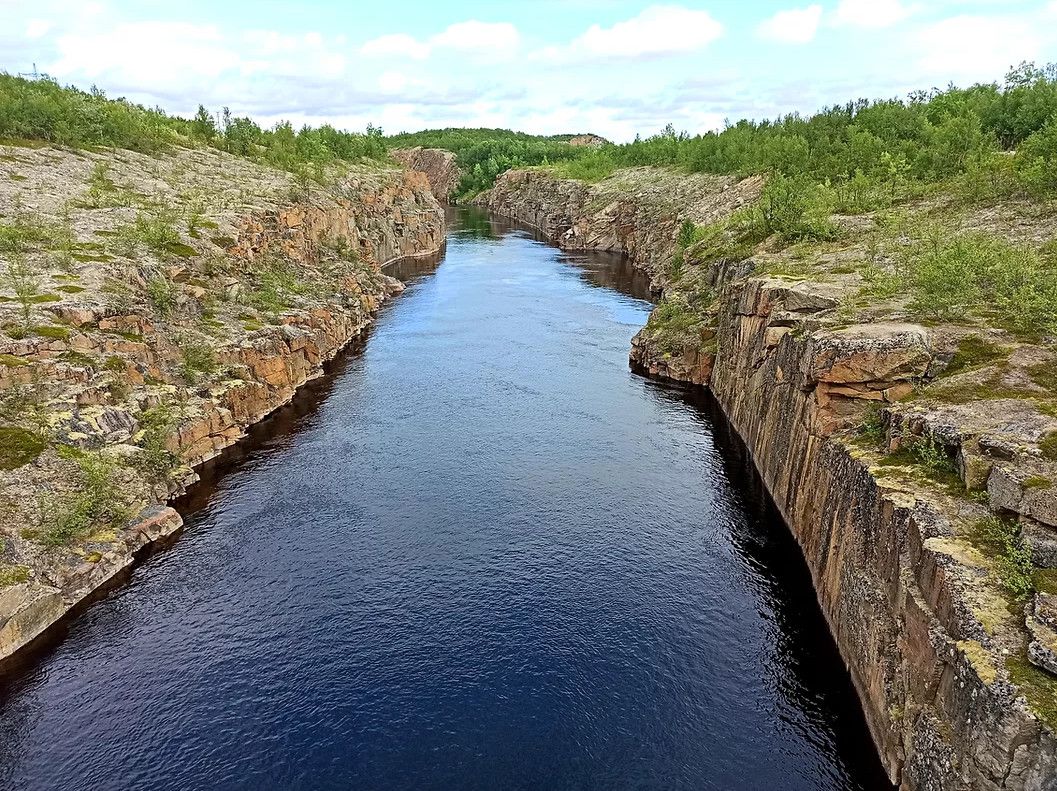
[479,554]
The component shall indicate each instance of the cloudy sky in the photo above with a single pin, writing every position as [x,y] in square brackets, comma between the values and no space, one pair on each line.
[611,67]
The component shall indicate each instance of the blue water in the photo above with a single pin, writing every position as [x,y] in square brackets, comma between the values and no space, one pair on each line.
[481,554]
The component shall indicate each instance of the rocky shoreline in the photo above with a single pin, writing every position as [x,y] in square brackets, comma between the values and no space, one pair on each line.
[951,669]
[162,355]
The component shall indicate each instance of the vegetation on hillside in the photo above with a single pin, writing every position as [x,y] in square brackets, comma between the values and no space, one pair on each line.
[993,140]
[43,110]
[483,154]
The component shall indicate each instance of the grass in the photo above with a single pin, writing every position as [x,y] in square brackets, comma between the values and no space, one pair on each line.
[79,359]
[54,332]
[1048,446]
[974,352]
[11,361]
[19,447]
[1038,482]
[162,294]
[1045,375]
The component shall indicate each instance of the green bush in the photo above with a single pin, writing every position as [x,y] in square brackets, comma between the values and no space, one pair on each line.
[795,208]
[19,447]
[953,277]
[92,506]
[162,294]
[1013,566]
[197,360]
[155,459]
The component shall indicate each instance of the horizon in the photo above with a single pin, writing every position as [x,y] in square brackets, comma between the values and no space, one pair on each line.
[500,65]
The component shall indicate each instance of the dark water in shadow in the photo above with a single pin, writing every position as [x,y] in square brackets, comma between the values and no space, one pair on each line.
[480,555]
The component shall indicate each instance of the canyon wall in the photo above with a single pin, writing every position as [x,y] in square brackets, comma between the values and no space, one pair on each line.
[934,645]
[160,357]
[439,166]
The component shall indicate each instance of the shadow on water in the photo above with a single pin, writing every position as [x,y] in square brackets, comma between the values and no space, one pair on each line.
[813,680]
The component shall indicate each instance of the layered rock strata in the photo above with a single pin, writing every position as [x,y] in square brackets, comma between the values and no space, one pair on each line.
[176,301]
[439,166]
[951,669]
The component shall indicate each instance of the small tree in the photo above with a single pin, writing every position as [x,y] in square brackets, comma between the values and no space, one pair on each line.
[203,127]
[24,279]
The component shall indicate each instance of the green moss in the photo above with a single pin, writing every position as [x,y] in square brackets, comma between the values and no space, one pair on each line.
[13,575]
[19,447]
[11,361]
[930,460]
[114,363]
[974,352]
[1045,375]
[128,336]
[71,289]
[1046,581]
[1037,686]
[102,232]
[86,257]
[1038,482]
[980,660]
[77,358]
[16,177]
[1048,446]
[181,250]
[40,299]
[223,241]
[52,331]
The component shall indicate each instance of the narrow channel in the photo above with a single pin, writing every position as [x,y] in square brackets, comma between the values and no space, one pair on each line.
[479,554]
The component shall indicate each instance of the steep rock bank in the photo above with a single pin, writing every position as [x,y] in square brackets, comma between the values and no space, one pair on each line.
[948,674]
[439,166]
[636,211]
[164,305]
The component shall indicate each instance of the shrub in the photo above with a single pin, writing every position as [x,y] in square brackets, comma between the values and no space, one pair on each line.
[155,458]
[19,447]
[198,360]
[950,278]
[22,277]
[795,209]
[93,505]
[162,294]
[1013,567]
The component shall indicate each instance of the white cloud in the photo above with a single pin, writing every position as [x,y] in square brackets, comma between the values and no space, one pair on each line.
[795,26]
[965,48]
[36,28]
[477,36]
[490,39]
[396,44]
[658,30]
[871,13]
[158,53]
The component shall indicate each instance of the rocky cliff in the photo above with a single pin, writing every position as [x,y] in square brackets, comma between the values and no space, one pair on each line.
[913,463]
[439,166]
[152,309]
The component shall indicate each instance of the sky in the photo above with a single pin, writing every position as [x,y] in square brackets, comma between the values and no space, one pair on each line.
[616,68]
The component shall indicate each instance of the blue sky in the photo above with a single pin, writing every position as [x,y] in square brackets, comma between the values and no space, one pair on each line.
[615,68]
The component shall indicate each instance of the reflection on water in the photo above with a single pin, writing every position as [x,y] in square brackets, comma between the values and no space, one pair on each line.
[480,554]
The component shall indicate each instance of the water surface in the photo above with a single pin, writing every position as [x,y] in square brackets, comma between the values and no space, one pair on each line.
[481,554]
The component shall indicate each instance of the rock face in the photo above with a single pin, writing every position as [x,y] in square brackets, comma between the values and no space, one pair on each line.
[439,166]
[636,212]
[931,641]
[161,356]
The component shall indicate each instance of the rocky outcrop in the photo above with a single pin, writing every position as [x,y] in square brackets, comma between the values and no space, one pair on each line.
[951,676]
[145,358]
[440,167]
[636,212]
